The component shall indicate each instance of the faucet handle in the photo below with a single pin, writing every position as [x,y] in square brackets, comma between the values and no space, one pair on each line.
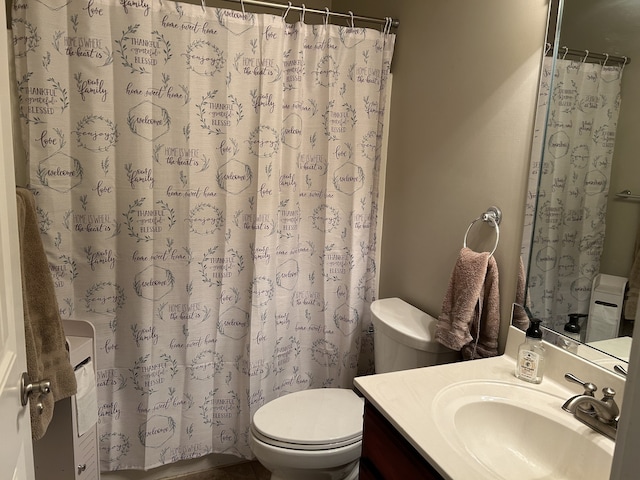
[608,393]
[612,412]
[620,369]
[589,388]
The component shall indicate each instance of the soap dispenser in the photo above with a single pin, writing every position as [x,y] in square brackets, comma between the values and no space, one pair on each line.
[530,362]
[572,327]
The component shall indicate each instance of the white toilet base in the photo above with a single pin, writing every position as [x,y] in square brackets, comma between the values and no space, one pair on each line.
[284,464]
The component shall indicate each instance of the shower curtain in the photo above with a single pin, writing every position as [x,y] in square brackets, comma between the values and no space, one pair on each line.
[569,228]
[207,188]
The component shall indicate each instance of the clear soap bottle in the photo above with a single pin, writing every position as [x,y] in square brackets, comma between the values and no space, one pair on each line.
[530,362]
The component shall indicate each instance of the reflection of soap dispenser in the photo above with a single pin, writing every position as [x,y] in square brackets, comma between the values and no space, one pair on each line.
[530,363]
[572,327]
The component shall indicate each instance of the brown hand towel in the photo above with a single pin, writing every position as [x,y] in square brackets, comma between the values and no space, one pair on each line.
[47,356]
[472,296]
[485,342]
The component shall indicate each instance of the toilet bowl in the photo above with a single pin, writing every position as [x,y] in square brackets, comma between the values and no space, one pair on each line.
[312,434]
[316,434]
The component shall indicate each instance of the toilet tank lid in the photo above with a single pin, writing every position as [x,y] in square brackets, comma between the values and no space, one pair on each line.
[406,324]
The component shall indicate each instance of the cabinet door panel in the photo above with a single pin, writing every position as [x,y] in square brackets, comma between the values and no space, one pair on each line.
[392,456]
[368,471]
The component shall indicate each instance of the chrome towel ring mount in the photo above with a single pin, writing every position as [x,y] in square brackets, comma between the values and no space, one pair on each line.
[493,216]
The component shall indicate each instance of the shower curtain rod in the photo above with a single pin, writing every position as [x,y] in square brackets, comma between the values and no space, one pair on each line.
[281,6]
[563,51]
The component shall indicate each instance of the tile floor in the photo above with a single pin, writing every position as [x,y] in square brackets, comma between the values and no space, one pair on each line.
[241,471]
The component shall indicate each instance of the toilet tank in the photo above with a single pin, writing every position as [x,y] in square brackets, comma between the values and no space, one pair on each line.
[405,337]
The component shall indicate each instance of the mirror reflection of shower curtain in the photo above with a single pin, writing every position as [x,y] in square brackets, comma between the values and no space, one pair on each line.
[574,183]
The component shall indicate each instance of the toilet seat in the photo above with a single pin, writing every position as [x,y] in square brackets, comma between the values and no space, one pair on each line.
[325,418]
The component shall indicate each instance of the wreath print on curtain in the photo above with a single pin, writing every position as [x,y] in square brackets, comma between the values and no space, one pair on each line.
[207,188]
[569,227]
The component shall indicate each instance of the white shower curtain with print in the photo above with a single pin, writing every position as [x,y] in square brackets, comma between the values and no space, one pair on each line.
[207,188]
[569,228]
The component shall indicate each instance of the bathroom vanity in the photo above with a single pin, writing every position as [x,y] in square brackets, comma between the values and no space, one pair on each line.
[477,420]
[387,454]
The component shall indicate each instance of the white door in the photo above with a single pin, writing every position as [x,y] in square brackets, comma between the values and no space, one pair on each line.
[16,454]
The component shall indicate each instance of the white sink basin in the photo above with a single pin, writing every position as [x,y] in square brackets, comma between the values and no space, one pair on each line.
[509,430]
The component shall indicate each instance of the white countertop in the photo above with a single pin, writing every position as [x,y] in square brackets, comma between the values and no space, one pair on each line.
[405,398]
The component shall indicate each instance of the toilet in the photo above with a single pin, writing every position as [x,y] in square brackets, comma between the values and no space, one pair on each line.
[316,434]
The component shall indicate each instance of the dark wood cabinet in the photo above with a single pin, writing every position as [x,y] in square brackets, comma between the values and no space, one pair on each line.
[387,455]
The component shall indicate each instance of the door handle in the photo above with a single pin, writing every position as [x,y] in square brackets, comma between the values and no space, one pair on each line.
[28,388]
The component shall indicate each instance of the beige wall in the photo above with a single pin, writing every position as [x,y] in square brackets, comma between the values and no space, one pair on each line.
[465,80]
[464,90]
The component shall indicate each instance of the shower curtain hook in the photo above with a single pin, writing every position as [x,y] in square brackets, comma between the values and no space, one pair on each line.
[242,5]
[351,15]
[547,47]
[386,24]
[302,12]
[326,16]
[585,57]
[605,60]
[204,5]
[623,65]
[566,50]
[284,17]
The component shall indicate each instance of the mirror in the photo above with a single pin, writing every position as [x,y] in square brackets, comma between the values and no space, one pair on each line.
[576,174]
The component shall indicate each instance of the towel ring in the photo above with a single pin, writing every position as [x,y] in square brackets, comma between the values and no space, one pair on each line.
[493,215]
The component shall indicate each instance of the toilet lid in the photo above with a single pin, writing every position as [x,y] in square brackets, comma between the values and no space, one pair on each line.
[310,419]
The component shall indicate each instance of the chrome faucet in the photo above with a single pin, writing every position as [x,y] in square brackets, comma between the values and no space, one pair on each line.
[600,415]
